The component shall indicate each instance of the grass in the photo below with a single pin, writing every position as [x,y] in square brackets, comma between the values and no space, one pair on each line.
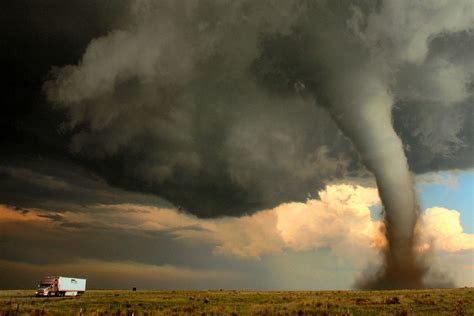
[123,302]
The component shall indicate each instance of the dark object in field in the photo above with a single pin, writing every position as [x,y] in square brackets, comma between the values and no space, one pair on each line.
[206,300]
[393,300]
[362,301]
[134,289]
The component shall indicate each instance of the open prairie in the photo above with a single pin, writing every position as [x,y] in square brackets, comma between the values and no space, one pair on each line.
[125,302]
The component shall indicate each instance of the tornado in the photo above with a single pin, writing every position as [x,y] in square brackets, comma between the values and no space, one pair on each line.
[360,62]
[361,106]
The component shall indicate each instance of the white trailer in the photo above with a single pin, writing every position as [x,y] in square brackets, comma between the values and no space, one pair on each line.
[61,286]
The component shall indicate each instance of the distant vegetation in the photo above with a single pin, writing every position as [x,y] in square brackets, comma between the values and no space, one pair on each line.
[105,302]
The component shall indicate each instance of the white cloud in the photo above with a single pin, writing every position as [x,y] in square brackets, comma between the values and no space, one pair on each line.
[441,228]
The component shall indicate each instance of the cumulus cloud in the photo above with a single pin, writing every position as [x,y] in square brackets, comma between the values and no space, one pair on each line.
[442,227]
[340,220]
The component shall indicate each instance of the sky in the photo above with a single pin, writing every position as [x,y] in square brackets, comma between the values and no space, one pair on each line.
[268,145]
[456,193]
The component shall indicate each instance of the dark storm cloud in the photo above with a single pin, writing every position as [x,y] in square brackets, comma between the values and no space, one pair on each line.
[210,104]
[38,243]
[43,234]
[183,117]
[55,185]
[37,35]
[435,112]
[440,138]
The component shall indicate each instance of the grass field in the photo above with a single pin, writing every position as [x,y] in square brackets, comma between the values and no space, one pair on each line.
[110,302]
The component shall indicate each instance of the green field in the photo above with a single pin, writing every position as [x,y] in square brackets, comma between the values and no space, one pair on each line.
[110,302]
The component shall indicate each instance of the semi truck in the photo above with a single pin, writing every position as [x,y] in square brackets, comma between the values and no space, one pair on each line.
[61,286]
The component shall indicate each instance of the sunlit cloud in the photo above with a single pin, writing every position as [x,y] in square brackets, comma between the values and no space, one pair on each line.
[340,220]
[441,229]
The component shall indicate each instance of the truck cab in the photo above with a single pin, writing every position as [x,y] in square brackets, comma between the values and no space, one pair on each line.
[47,286]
